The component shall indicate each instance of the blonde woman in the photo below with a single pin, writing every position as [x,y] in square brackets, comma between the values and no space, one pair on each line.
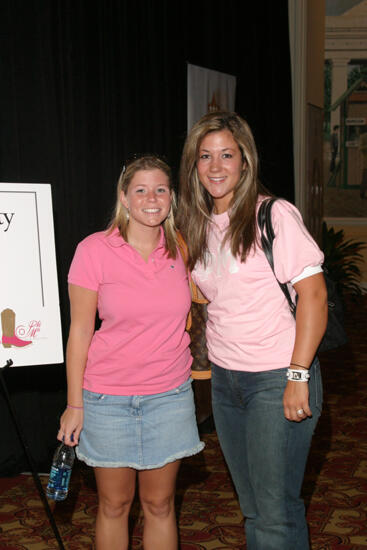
[130,406]
[266,382]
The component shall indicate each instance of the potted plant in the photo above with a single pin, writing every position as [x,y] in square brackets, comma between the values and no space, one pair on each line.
[342,259]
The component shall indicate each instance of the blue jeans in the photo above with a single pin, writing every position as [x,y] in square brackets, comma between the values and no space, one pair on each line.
[266,454]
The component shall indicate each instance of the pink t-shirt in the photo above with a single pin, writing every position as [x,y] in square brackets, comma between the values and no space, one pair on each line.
[141,347]
[250,327]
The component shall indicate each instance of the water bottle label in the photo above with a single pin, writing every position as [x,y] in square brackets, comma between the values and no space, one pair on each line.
[59,478]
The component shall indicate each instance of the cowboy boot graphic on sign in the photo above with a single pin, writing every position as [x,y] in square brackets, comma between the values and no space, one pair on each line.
[9,337]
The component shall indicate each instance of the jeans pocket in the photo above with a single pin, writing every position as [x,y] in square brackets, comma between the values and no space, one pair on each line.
[184,387]
[92,397]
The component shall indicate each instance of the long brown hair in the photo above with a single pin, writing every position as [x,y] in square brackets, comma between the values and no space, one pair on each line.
[120,218]
[196,204]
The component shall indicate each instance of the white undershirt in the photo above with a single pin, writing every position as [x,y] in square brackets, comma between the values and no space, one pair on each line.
[307,272]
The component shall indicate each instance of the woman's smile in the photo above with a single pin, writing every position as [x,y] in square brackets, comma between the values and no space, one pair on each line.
[148,198]
[220,166]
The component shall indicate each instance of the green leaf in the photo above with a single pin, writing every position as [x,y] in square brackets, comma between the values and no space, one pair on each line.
[342,259]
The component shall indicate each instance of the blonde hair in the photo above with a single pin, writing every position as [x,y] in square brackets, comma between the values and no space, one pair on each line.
[196,204]
[120,219]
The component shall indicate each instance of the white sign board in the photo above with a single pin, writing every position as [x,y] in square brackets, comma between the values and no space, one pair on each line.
[29,297]
[208,91]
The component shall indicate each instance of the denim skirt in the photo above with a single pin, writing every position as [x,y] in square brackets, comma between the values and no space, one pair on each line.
[138,431]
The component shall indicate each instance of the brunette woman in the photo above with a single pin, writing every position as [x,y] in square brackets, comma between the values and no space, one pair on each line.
[266,382]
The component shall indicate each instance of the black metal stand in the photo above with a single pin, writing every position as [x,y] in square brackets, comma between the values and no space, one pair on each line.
[29,457]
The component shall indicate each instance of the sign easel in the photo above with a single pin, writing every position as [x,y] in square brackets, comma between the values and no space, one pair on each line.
[29,300]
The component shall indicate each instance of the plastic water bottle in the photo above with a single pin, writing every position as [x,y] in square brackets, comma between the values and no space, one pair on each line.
[62,464]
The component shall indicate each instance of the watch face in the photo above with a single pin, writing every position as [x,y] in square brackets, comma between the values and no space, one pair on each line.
[294,375]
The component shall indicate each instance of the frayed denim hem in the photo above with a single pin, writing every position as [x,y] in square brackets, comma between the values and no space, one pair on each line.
[135,466]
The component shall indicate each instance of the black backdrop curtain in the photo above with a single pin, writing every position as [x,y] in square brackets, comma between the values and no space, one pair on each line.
[86,84]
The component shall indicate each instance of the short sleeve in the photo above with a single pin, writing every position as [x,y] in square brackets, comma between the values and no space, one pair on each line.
[293,248]
[85,269]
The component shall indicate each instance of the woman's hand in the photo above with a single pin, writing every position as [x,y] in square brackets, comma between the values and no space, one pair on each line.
[71,424]
[295,398]
[311,319]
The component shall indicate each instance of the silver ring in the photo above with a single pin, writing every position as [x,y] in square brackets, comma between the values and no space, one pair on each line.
[300,412]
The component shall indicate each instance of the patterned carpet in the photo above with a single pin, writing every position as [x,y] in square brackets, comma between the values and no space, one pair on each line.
[209,517]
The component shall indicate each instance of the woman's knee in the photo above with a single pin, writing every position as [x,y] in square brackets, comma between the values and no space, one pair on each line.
[114,507]
[158,506]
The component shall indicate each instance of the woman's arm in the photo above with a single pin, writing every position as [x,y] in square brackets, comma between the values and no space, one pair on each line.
[83,307]
[311,320]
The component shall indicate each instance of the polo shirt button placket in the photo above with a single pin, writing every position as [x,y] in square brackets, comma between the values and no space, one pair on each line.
[150,269]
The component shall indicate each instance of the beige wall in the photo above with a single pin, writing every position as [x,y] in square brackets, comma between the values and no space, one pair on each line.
[307,39]
[313,191]
[315,52]
[354,228]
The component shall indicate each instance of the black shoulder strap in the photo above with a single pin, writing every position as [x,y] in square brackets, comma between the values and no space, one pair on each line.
[267,238]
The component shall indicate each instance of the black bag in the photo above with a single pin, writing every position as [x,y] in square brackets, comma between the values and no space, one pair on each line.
[335,335]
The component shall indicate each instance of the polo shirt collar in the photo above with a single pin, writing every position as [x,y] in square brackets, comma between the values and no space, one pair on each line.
[116,240]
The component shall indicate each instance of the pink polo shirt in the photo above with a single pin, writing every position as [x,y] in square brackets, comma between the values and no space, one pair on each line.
[250,327]
[141,347]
